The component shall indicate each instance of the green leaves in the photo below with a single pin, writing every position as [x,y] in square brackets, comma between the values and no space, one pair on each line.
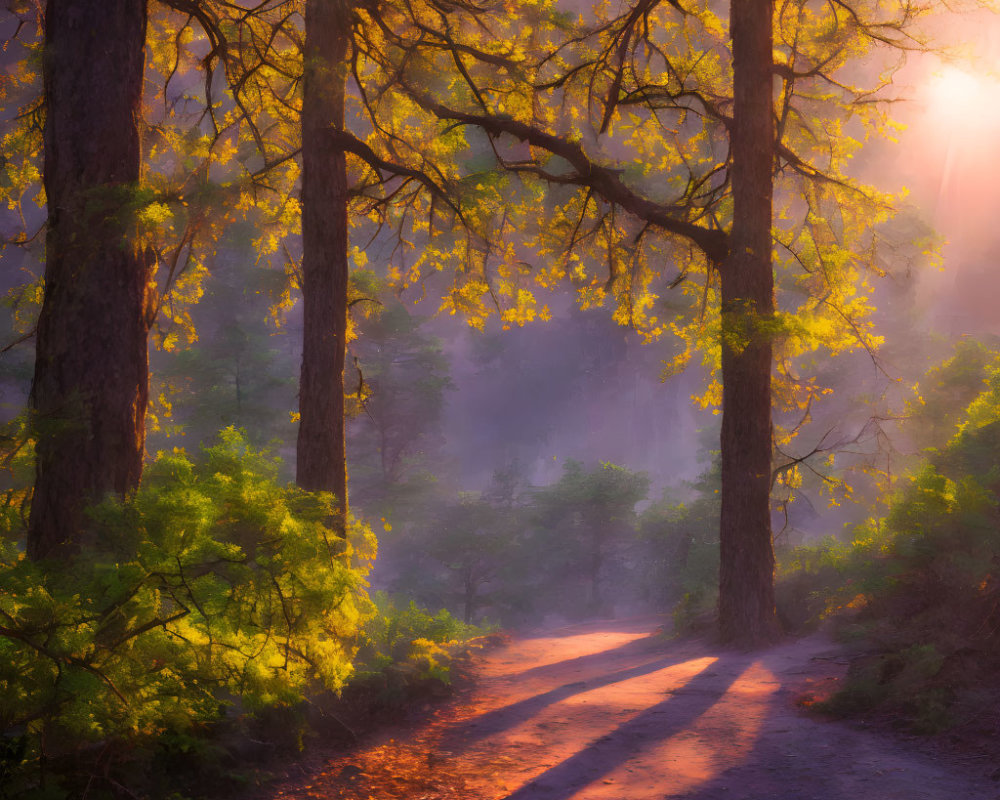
[212,582]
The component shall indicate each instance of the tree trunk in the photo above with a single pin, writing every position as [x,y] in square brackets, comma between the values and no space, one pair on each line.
[470,596]
[321,456]
[594,574]
[746,578]
[90,384]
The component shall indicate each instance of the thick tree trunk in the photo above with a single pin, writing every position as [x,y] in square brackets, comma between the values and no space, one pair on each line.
[321,458]
[91,370]
[746,579]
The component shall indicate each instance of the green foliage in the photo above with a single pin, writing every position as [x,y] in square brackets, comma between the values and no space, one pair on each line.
[406,634]
[405,655]
[579,525]
[904,679]
[681,566]
[400,385]
[17,473]
[923,582]
[809,578]
[467,554]
[946,391]
[212,583]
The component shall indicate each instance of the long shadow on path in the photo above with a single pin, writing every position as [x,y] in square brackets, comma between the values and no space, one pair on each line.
[648,728]
[510,716]
[588,661]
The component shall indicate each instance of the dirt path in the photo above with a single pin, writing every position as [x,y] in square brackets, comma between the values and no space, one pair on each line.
[606,711]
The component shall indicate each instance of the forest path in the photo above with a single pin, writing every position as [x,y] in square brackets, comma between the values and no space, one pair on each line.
[610,711]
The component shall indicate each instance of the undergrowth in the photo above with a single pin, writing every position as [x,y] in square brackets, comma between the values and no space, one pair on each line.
[919,587]
[188,643]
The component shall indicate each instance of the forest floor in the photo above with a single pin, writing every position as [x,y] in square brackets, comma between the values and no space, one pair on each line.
[613,711]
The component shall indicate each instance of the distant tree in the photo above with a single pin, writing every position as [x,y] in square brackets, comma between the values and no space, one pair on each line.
[508,487]
[691,98]
[467,552]
[90,385]
[239,373]
[679,561]
[578,522]
[473,540]
[402,379]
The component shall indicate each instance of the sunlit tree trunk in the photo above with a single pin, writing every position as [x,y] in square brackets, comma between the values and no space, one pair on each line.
[321,456]
[90,383]
[746,579]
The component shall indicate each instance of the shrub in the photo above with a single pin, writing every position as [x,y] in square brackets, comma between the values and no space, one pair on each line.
[681,564]
[398,633]
[812,580]
[925,580]
[212,583]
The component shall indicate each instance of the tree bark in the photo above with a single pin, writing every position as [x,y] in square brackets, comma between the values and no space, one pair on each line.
[321,454]
[746,578]
[90,383]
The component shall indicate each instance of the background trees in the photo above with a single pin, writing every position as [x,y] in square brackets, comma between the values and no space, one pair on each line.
[578,523]
[519,554]
[685,169]
[400,385]
[705,155]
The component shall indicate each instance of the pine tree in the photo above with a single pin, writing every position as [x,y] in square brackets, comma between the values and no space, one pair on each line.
[692,101]
[90,385]
[321,463]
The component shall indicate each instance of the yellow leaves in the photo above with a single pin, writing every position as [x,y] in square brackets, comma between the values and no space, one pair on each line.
[358,257]
[155,217]
[24,303]
[524,310]
[711,397]
[790,478]
[468,299]
[165,404]
[268,243]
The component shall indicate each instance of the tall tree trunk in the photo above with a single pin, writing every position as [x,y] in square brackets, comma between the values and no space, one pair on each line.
[746,578]
[90,383]
[321,456]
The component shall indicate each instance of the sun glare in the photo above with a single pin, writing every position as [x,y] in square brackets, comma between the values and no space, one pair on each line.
[962,101]
[952,154]
[956,88]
